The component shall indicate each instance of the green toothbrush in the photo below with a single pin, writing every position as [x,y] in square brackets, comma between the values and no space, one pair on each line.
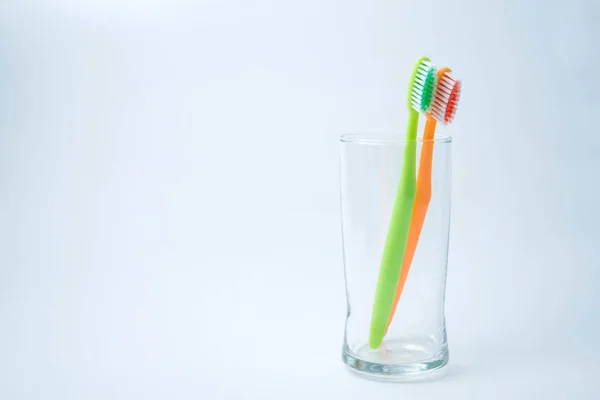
[420,95]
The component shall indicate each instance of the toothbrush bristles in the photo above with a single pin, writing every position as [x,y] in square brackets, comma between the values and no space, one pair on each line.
[445,101]
[424,87]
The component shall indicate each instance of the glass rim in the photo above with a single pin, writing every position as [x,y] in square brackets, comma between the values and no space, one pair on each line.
[375,138]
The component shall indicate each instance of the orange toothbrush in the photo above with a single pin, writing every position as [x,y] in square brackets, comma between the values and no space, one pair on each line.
[443,110]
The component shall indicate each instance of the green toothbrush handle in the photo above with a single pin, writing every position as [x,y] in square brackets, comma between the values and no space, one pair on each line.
[397,236]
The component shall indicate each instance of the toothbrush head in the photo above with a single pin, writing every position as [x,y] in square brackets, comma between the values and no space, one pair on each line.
[446,96]
[422,87]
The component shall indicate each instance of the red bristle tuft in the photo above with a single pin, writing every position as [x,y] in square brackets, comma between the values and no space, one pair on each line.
[452,103]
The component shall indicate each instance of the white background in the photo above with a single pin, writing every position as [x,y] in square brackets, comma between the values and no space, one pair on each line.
[169,200]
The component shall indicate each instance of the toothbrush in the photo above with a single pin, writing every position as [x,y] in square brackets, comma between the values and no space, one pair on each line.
[420,94]
[443,110]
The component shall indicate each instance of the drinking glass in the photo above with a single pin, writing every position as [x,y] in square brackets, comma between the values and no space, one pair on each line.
[415,344]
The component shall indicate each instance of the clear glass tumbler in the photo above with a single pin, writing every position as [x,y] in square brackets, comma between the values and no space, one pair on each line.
[415,344]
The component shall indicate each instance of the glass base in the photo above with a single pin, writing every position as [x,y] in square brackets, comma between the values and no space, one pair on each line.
[397,360]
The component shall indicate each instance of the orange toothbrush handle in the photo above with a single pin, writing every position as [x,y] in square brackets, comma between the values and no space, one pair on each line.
[423,196]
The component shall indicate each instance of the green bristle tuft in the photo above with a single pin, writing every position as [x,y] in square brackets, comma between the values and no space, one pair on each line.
[428,90]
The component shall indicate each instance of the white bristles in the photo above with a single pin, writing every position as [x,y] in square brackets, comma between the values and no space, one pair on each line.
[422,85]
[446,98]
